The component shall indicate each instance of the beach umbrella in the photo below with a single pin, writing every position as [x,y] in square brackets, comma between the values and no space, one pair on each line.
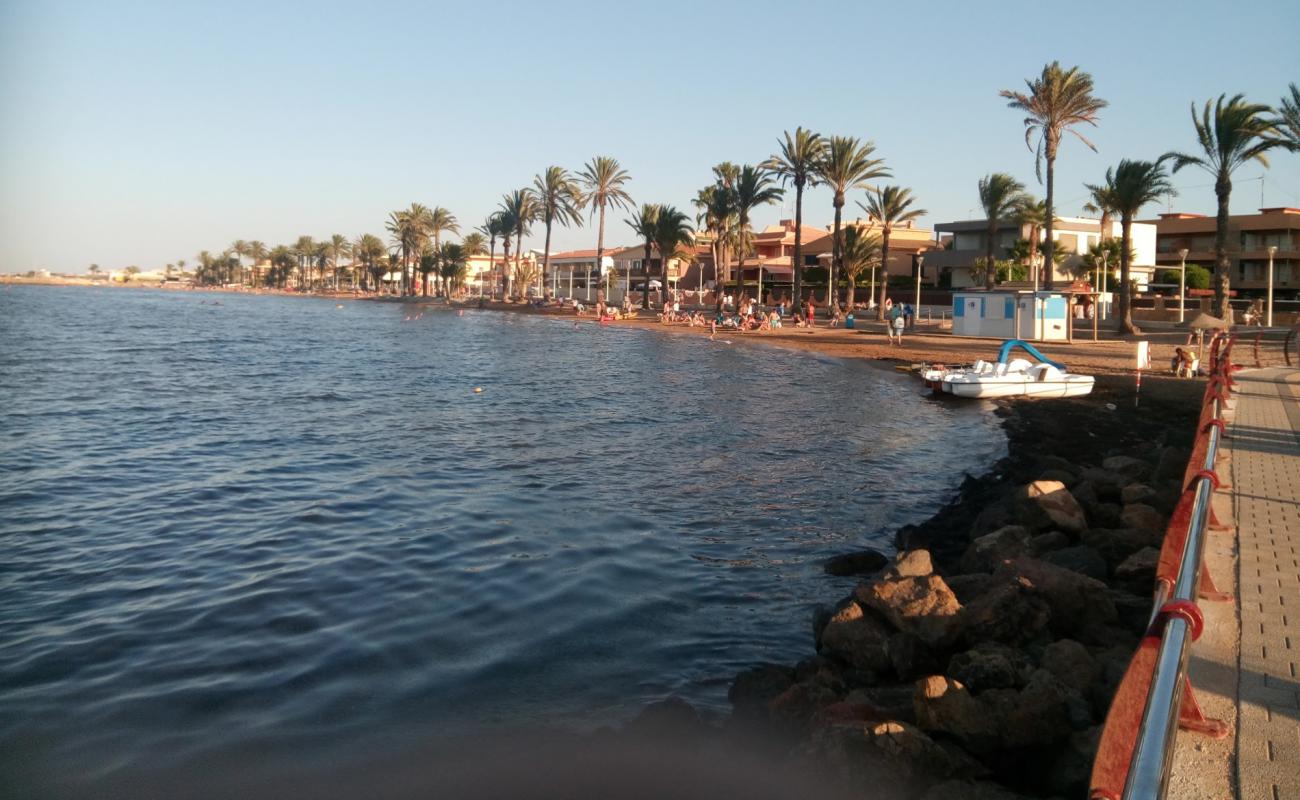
[1201,323]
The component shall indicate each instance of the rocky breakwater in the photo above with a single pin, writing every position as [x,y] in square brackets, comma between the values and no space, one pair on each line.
[981,661]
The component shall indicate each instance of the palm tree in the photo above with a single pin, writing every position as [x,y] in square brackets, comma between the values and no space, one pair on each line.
[603,179]
[672,231]
[1031,212]
[520,208]
[1288,124]
[754,187]
[337,248]
[303,249]
[240,249]
[1058,100]
[1233,133]
[645,224]
[558,199]
[1131,186]
[94,269]
[506,221]
[718,216]
[257,253]
[368,249]
[283,260]
[494,226]
[409,230]
[797,164]
[180,264]
[205,266]
[452,264]
[846,164]
[440,221]
[888,207]
[1000,195]
[474,244]
[862,250]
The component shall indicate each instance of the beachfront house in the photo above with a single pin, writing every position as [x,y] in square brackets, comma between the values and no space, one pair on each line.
[1249,238]
[965,242]
[633,271]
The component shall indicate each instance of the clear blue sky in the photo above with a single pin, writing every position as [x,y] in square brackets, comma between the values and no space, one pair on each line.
[140,133]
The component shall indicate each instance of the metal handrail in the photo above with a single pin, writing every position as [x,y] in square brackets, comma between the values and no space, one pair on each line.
[1148,774]
[1178,619]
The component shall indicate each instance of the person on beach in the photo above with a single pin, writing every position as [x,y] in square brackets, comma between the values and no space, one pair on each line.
[809,311]
[908,317]
[836,319]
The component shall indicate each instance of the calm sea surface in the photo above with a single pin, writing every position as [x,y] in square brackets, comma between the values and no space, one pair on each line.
[259,522]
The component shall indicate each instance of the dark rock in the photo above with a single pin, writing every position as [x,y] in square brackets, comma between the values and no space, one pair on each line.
[792,712]
[1139,569]
[1172,464]
[857,637]
[1117,544]
[1041,714]
[1071,773]
[971,790]
[1143,517]
[907,748]
[1057,463]
[1072,664]
[1105,483]
[1058,475]
[1047,505]
[894,700]
[910,656]
[991,517]
[1134,609]
[1137,493]
[1075,600]
[944,705]
[1135,469]
[862,562]
[1047,542]
[922,606]
[988,551]
[968,587]
[1009,611]
[1105,515]
[821,671]
[672,719]
[755,687]
[1081,559]
[987,667]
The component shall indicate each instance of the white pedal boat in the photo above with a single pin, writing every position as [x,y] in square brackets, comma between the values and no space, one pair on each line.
[1018,378]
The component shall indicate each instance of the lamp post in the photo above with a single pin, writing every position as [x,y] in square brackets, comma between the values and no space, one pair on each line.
[1182,282]
[1268,314]
[916,310]
[1105,270]
[1036,264]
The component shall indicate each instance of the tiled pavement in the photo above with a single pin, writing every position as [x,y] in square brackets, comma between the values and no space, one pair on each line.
[1265,477]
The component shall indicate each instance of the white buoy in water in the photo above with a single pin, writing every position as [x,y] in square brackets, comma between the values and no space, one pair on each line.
[478,390]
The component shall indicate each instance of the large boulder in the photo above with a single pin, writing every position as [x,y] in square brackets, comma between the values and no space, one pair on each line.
[862,562]
[1135,469]
[919,757]
[989,666]
[991,517]
[1046,505]
[1047,542]
[857,637]
[1081,559]
[968,587]
[1106,485]
[910,656]
[1117,544]
[1072,665]
[1143,517]
[911,564]
[1071,772]
[1075,600]
[1172,464]
[1041,715]
[923,606]
[1139,569]
[943,705]
[988,551]
[754,688]
[1137,493]
[1009,611]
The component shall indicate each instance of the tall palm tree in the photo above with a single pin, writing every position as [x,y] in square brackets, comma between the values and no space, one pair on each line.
[754,187]
[846,164]
[861,251]
[283,260]
[521,208]
[1057,101]
[257,253]
[672,231]
[506,222]
[205,266]
[717,214]
[889,206]
[558,199]
[603,180]
[796,164]
[1230,134]
[239,248]
[337,248]
[180,264]
[1131,186]
[493,227]
[1288,124]
[474,244]
[451,265]
[441,221]
[303,249]
[1000,194]
[645,223]
[369,251]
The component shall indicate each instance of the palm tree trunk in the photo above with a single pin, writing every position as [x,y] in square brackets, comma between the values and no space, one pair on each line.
[600,247]
[884,272]
[1125,296]
[835,252]
[519,249]
[1222,264]
[546,255]
[505,266]
[740,261]
[798,246]
[849,292]
[492,265]
[1048,245]
[990,276]
[645,277]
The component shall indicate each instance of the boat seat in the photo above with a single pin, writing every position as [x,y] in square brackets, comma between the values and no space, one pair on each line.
[1000,370]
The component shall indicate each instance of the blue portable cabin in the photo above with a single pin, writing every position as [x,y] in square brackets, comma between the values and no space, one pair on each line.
[1012,314]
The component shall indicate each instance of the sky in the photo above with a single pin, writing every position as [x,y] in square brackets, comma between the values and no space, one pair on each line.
[141,133]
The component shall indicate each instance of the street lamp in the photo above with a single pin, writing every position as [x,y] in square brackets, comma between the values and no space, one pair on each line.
[916,310]
[1182,282]
[1105,270]
[1268,314]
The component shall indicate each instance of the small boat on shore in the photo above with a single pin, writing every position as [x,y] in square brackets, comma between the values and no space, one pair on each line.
[1009,378]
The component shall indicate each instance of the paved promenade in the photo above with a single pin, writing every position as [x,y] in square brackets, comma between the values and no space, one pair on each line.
[1266,496]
